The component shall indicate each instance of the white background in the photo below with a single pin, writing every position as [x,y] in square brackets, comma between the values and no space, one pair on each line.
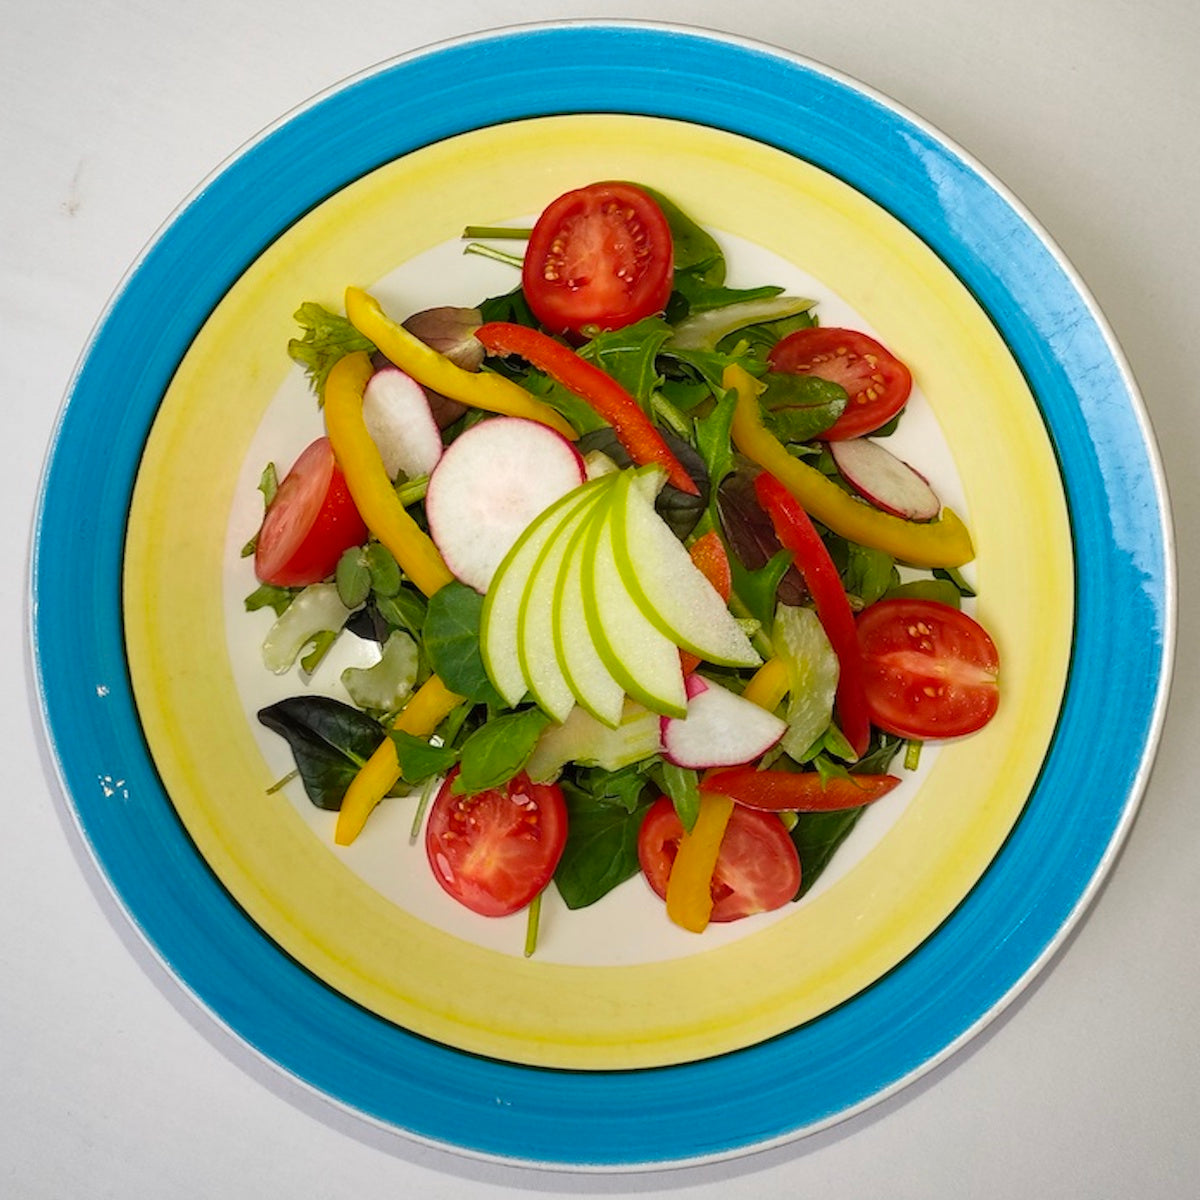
[112,1083]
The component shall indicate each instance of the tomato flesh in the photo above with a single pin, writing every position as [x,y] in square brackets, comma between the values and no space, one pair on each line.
[599,257]
[757,869]
[493,851]
[877,383]
[309,523]
[930,670]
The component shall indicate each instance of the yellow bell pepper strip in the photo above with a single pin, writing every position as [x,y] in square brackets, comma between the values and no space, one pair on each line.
[635,431]
[944,542]
[368,481]
[689,886]
[797,533]
[796,791]
[478,389]
[426,709]
[768,685]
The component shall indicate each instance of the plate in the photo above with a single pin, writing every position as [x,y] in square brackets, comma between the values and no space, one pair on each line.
[1057,472]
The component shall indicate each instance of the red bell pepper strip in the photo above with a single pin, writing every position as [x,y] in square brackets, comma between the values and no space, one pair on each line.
[792,791]
[797,533]
[611,401]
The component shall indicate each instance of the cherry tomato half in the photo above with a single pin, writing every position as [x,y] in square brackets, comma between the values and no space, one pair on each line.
[309,523]
[495,850]
[599,257]
[757,869]
[876,381]
[930,671]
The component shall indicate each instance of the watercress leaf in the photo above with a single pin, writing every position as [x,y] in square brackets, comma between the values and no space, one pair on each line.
[498,750]
[327,337]
[601,847]
[405,610]
[382,568]
[352,578]
[419,758]
[451,633]
[797,408]
[329,740]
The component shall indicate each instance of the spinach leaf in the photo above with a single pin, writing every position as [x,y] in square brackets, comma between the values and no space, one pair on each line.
[683,787]
[943,590]
[817,837]
[797,408]
[512,306]
[696,251]
[452,642]
[498,750]
[869,573]
[601,847]
[419,758]
[330,741]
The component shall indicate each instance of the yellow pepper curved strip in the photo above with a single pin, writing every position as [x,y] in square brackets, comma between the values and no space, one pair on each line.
[689,886]
[769,685]
[368,480]
[478,389]
[941,543]
[425,711]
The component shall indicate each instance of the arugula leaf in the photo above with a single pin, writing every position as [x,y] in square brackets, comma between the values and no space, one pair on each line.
[630,356]
[327,337]
[702,296]
[713,438]
[497,751]
[757,590]
[601,847]
[330,741]
[451,634]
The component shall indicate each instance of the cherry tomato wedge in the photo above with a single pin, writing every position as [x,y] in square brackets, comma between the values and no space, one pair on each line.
[876,381]
[930,670]
[757,869]
[494,851]
[309,523]
[599,257]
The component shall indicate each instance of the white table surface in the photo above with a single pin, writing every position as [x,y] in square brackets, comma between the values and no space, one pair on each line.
[113,1084]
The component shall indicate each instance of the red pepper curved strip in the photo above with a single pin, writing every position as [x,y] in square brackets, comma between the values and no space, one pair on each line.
[792,791]
[611,401]
[797,533]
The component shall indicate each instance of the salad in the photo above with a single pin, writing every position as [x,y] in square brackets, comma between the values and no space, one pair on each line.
[650,594]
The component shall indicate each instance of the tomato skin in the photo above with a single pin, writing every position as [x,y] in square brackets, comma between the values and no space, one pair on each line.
[877,382]
[930,670]
[757,870]
[494,851]
[309,523]
[600,257]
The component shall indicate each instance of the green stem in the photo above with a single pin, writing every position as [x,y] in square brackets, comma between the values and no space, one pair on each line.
[422,804]
[531,925]
[678,422]
[912,755]
[501,232]
[513,260]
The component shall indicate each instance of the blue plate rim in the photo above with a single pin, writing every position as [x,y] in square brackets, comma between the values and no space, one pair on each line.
[512,1140]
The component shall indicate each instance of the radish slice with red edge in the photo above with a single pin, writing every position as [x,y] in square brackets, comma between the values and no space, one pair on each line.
[721,729]
[397,415]
[886,481]
[489,485]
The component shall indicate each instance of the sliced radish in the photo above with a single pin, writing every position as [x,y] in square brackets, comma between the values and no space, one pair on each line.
[400,422]
[490,483]
[721,729]
[885,480]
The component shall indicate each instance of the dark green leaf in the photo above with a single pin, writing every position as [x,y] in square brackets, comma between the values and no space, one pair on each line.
[629,355]
[696,251]
[942,590]
[683,787]
[497,751]
[330,741]
[352,578]
[452,642]
[817,837]
[757,590]
[797,408]
[624,788]
[869,572]
[419,758]
[601,848]
[405,610]
[713,440]
[512,306]
[267,595]
[954,576]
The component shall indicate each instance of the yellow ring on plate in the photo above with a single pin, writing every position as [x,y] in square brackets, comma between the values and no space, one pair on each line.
[294,885]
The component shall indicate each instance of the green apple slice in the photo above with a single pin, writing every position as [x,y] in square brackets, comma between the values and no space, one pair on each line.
[668,587]
[589,679]
[502,603]
[539,660]
[640,657]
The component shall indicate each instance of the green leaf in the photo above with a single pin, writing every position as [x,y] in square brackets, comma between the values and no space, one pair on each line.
[601,847]
[942,590]
[327,337]
[405,610]
[352,578]
[817,837]
[954,576]
[452,642]
[497,751]
[419,758]
[630,356]
[624,788]
[268,595]
[683,787]
[797,408]
[869,573]
[713,439]
[756,590]
[330,741]
[382,568]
